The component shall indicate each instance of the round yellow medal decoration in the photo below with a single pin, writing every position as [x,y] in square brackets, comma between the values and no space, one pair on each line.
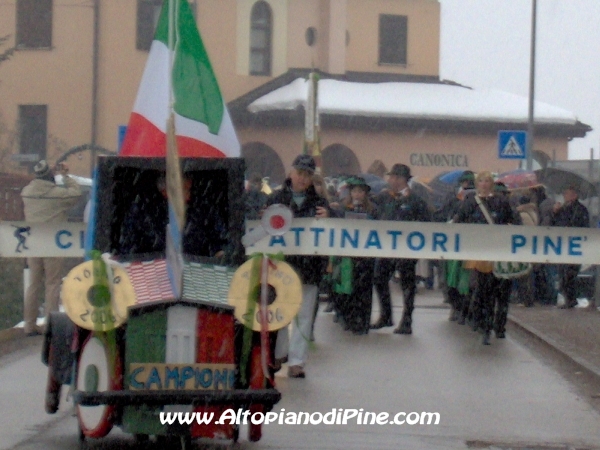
[285,296]
[93,306]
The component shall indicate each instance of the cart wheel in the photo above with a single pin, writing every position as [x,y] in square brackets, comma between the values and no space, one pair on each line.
[56,354]
[53,387]
[81,438]
[94,375]
[255,431]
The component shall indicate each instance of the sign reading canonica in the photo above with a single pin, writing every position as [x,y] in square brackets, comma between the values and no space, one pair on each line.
[25,239]
[388,239]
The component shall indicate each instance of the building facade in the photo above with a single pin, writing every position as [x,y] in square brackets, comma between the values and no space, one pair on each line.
[71,83]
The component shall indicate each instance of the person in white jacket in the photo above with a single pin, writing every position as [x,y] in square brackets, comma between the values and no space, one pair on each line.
[45,202]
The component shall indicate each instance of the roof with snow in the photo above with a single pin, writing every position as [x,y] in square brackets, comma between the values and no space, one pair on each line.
[386,104]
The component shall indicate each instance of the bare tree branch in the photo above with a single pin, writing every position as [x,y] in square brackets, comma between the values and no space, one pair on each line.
[6,54]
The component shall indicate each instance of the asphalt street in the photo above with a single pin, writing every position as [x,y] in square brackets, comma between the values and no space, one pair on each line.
[499,396]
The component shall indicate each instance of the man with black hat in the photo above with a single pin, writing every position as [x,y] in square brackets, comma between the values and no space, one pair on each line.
[43,202]
[398,203]
[299,194]
[571,213]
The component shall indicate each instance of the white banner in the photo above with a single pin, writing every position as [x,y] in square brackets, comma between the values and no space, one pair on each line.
[23,240]
[390,239]
[346,237]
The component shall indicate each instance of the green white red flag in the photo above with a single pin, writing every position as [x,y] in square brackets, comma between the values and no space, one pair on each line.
[203,126]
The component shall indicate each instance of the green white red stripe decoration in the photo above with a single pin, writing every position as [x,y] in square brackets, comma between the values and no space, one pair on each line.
[202,123]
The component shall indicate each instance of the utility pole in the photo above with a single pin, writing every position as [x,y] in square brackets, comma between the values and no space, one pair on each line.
[530,132]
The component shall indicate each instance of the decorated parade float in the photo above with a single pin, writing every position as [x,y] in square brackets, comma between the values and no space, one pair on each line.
[167,315]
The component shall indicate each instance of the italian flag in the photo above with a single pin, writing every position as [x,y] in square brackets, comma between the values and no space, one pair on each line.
[202,124]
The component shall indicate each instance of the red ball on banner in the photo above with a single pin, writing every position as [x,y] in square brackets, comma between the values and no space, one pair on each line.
[277,222]
[277,219]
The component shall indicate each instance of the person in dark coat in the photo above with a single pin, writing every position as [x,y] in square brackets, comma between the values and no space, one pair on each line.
[353,297]
[398,203]
[545,274]
[459,301]
[298,193]
[505,286]
[254,199]
[490,290]
[571,213]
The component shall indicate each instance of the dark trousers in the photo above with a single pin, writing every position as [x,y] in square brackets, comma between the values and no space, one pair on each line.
[502,303]
[568,281]
[546,289]
[524,289]
[361,299]
[384,269]
[490,305]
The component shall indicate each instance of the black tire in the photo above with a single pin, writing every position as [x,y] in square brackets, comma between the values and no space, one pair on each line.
[56,351]
[53,388]
[81,438]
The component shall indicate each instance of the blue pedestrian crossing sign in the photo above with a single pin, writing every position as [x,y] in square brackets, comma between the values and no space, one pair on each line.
[512,144]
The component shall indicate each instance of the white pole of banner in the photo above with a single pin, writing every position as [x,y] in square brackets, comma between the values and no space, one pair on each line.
[26,279]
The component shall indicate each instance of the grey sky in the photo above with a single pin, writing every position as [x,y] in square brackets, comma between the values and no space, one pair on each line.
[485,44]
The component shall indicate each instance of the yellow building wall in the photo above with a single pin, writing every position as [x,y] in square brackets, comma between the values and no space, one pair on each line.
[481,151]
[60,77]
[301,16]
[423,52]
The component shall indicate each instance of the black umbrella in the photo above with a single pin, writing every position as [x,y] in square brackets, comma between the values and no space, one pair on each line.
[558,179]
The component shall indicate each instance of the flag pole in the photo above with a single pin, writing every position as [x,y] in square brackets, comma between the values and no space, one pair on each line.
[316,149]
[174,177]
[171,42]
[311,121]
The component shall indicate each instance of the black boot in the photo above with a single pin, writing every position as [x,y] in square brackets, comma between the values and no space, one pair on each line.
[382,323]
[454,314]
[405,326]
[486,338]
[455,304]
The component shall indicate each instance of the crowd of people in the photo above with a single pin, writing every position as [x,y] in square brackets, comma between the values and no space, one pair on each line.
[476,296]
